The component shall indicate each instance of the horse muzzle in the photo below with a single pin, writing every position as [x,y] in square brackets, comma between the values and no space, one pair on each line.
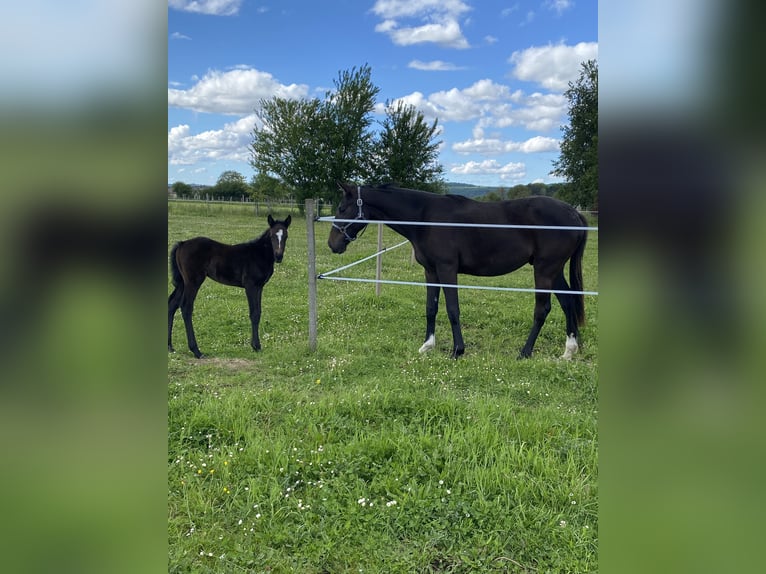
[337,247]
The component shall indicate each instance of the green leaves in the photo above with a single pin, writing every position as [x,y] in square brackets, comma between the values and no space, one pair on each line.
[578,162]
[311,144]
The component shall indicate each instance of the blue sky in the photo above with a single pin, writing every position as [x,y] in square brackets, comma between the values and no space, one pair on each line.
[492,72]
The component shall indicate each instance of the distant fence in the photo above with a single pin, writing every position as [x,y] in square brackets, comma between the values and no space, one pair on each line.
[267,206]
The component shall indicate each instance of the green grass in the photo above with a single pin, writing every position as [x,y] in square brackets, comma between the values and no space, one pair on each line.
[365,456]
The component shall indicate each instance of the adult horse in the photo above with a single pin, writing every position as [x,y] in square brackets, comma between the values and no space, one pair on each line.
[445,251]
[248,265]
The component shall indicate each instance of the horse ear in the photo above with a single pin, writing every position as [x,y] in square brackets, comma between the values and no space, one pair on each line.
[344,188]
[288,220]
[270,220]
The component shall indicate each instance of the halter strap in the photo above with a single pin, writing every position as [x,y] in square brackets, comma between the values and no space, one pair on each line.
[359,202]
[360,215]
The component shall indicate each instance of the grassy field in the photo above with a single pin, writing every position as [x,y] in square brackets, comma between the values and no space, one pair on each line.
[365,456]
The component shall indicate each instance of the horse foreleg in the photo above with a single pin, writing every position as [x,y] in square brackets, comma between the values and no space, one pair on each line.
[173,303]
[187,308]
[432,307]
[254,293]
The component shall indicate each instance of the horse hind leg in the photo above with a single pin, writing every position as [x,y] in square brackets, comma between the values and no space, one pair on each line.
[568,303]
[432,307]
[174,301]
[542,308]
[452,303]
[544,279]
[187,308]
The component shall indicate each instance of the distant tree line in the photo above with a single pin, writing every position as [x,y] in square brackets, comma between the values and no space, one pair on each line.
[232,185]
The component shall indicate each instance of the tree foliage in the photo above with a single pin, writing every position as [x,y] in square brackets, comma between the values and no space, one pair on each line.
[578,160]
[265,187]
[405,152]
[182,189]
[230,185]
[309,145]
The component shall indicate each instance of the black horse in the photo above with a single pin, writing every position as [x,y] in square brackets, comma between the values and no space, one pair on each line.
[445,251]
[249,265]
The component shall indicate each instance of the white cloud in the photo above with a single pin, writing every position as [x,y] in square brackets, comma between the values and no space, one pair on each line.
[210,7]
[493,105]
[433,66]
[436,21]
[552,66]
[229,143]
[234,92]
[559,6]
[179,36]
[391,9]
[494,146]
[509,171]
[460,105]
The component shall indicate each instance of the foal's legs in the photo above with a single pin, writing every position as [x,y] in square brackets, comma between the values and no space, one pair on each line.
[568,306]
[174,301]
[432,307]
[187,307]
[254,293]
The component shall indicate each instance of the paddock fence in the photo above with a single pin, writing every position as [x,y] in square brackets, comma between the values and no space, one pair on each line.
[312,218]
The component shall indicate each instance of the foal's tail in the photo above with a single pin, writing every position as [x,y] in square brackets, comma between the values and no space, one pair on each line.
[575,274]
[175,272]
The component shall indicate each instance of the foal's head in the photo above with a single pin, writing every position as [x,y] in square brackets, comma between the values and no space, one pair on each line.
[278,236]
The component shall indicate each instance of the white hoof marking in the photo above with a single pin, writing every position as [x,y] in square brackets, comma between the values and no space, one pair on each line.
[570,348]
[428,345]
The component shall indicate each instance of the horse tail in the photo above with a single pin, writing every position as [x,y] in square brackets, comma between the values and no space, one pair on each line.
[175,272]
[575,274]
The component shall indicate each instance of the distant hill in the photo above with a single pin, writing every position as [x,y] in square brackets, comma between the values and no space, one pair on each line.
[467,189]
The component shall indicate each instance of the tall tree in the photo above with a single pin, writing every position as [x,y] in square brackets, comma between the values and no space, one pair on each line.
[406,151]
[309,144]
[348,116]
[287,145]
[578,160]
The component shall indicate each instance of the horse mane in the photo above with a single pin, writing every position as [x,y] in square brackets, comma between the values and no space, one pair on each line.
[262,237]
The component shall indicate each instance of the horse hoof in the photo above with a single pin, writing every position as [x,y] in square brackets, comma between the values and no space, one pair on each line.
[428,345]
[456,353]
[171,349]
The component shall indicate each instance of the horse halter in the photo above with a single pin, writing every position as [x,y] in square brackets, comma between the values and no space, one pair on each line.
[360,215]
